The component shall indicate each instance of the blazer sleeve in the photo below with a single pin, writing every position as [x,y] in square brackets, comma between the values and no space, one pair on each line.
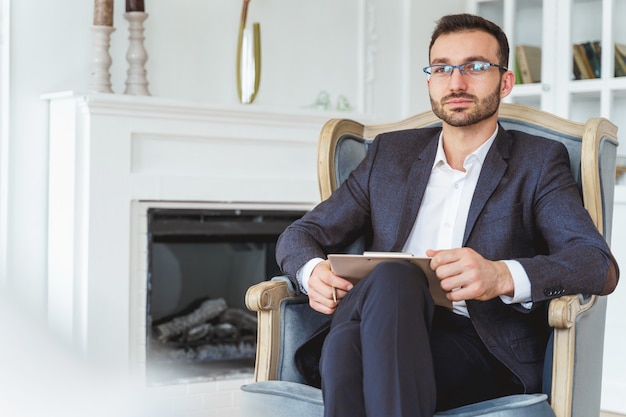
[577,258]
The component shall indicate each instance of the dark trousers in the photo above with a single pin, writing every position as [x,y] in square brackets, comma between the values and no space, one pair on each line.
[390,352]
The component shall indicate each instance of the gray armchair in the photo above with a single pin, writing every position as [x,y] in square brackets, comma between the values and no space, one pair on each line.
[573,366]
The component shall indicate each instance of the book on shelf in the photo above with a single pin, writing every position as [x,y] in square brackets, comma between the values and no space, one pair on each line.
[528,59]
[576,69]
[582,63]
[592,49]
[518,75]
[620,60]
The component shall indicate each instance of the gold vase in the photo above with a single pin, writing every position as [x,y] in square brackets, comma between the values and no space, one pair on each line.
[248,62]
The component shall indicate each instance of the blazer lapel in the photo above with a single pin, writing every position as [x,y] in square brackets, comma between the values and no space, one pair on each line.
[416,187]
[493,170]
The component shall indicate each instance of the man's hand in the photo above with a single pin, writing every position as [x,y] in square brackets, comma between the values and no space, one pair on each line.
[466,275]
[322,284]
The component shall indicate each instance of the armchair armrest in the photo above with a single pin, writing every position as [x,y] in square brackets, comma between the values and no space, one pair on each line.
[577,362]
[564,310]
[265,298]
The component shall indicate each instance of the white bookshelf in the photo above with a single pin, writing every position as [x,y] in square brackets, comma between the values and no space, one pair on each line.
[555,25]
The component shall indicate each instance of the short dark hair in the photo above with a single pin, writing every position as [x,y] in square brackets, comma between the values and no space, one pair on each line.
[468,22]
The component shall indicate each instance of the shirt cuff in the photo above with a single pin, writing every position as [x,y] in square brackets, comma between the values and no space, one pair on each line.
[303,274]
[522,294]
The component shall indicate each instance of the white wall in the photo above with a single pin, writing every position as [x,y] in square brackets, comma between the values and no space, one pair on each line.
[614,369]
[49,50]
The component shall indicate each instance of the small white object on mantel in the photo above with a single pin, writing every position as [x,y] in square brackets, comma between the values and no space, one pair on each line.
[136,81]
[100,81]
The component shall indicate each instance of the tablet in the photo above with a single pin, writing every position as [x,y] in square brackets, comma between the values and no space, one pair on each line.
[356,267]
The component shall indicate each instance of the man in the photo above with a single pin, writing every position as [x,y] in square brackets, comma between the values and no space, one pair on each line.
[499,214]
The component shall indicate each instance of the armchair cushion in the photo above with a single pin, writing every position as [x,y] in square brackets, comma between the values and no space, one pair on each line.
[287,399]
[281,399]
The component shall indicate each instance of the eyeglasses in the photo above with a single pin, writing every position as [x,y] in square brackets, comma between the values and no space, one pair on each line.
[472,69]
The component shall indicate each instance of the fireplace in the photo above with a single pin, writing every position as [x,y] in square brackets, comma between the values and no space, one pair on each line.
[200,264]
[113,158]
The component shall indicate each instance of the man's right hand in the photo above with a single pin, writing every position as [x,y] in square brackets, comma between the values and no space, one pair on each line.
[322,284]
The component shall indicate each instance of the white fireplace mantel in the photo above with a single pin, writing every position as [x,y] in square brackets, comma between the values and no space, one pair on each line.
[108,152]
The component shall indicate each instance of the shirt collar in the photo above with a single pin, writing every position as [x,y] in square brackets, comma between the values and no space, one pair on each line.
[479,154]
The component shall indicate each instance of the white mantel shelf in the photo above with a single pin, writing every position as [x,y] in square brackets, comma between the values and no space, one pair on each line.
[195,110]
[110,153]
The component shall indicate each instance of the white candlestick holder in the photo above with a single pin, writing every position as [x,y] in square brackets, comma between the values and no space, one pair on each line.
[136,80]
[100,81]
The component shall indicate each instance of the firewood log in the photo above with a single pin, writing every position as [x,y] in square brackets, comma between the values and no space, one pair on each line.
[242,320]
[208,310]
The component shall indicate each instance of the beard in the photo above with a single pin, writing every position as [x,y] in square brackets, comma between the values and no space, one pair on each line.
[483,109]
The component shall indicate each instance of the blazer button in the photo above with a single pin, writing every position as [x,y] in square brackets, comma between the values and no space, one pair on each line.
[554,291]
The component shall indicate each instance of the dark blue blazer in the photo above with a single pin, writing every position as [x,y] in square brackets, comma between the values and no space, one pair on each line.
[526,207]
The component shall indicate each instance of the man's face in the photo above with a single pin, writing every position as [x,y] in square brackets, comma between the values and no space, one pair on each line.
[463,100]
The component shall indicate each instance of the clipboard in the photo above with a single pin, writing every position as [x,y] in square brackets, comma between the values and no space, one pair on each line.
[355,267]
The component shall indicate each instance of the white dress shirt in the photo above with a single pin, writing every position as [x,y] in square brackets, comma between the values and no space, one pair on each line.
[442,217]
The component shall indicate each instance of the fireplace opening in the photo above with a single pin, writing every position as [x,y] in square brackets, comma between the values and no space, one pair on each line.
[200,264]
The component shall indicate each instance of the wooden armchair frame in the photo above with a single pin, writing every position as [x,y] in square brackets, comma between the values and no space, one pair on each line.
[564,313]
